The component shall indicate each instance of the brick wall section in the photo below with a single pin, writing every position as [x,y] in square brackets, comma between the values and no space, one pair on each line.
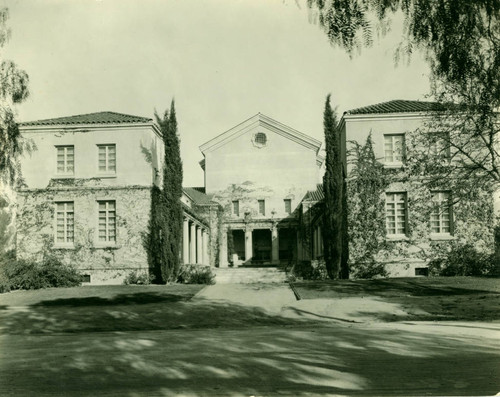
[110,264]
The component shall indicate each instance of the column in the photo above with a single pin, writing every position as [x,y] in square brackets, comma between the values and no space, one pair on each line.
[192,246]
[315,243]
[206,259]
[320,241]
[248,245]
[275,244]
[185,241]
[299,247]
[199,246]
[223,249]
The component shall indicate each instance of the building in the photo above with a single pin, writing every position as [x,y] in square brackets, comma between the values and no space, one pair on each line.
[259,171]
[86,194]
[86,191]
[418,222]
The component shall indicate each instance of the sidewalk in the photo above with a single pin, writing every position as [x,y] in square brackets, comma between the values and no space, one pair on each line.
[274,298]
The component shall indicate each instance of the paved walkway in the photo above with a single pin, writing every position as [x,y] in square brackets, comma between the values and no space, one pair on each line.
[280,299]
[273,298]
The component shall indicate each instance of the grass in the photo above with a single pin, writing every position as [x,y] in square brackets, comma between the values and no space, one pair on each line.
[122,308]
[434,298]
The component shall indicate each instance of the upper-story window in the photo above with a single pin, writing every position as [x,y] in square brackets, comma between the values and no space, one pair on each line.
[65,160]
[394,148]
[107,221]
[262,207]
[441,215]
[65,225]
[395,214]
[439,145]
[236,208]
[259,139]
[288,206]
[107,158]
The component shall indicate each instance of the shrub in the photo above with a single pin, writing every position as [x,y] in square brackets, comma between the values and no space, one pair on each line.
[462,260]
[196,274]
[310,270]
[141,278]
[368,270]
[24,274]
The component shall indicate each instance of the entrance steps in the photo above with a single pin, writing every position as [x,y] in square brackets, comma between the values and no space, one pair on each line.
[248,275]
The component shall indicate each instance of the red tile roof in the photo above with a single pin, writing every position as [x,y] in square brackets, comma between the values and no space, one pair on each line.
[198,195]
[91,118]
[399,106]
[315,195]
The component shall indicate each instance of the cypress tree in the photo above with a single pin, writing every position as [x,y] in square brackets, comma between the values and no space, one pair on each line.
[170,208]
[333,186]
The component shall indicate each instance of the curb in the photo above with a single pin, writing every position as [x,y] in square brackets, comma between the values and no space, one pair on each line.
[295,292]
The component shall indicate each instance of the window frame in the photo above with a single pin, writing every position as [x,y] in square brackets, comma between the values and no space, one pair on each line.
[404,229]
[289,203]
[106,241]
[66,242]
[393,161]
[106,172]
[445,149]
[449,212]
[263,211]
[235,208]
[64,173]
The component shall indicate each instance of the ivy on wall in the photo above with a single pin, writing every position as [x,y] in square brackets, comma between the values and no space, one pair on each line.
[369,246]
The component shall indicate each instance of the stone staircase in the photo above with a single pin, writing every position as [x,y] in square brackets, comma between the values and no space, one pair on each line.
[249,275]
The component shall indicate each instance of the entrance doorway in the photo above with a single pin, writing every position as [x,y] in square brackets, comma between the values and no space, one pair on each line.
[261,239]
[288,244]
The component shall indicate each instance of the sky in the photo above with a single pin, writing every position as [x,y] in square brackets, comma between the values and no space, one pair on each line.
[222,60]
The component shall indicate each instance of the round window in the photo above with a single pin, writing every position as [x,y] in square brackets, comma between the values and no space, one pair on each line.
[260,139]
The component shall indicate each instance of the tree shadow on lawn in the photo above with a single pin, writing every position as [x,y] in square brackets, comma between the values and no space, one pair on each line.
[384,287]
[142,298]
[134,312]
[345,360]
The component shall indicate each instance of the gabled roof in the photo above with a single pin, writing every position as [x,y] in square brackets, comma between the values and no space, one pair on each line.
[197,194]
[261,120]
[399,106]
[90,118]
[315,195]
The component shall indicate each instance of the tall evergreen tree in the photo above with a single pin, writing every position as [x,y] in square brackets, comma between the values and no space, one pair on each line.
[333,186]
[170,208]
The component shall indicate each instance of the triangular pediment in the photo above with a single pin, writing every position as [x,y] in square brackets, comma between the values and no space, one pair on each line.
[261,120]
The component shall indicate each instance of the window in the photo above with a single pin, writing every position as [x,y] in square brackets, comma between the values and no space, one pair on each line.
[395,213]
[65,225]
[439,146]
[288,206]
[262,207]
[107,221]
[441,213]
[65,160]
[236,208]
[394,148]
[107,158]
[259,140]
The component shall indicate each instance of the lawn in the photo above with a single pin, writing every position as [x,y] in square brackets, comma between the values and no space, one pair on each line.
[433,298]
[122,308]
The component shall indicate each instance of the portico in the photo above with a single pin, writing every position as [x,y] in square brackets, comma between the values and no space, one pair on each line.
[258,243]
[195,243]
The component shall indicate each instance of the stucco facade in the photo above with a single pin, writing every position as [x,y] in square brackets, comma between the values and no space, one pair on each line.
[86,192]
[415,229]
[259,171]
